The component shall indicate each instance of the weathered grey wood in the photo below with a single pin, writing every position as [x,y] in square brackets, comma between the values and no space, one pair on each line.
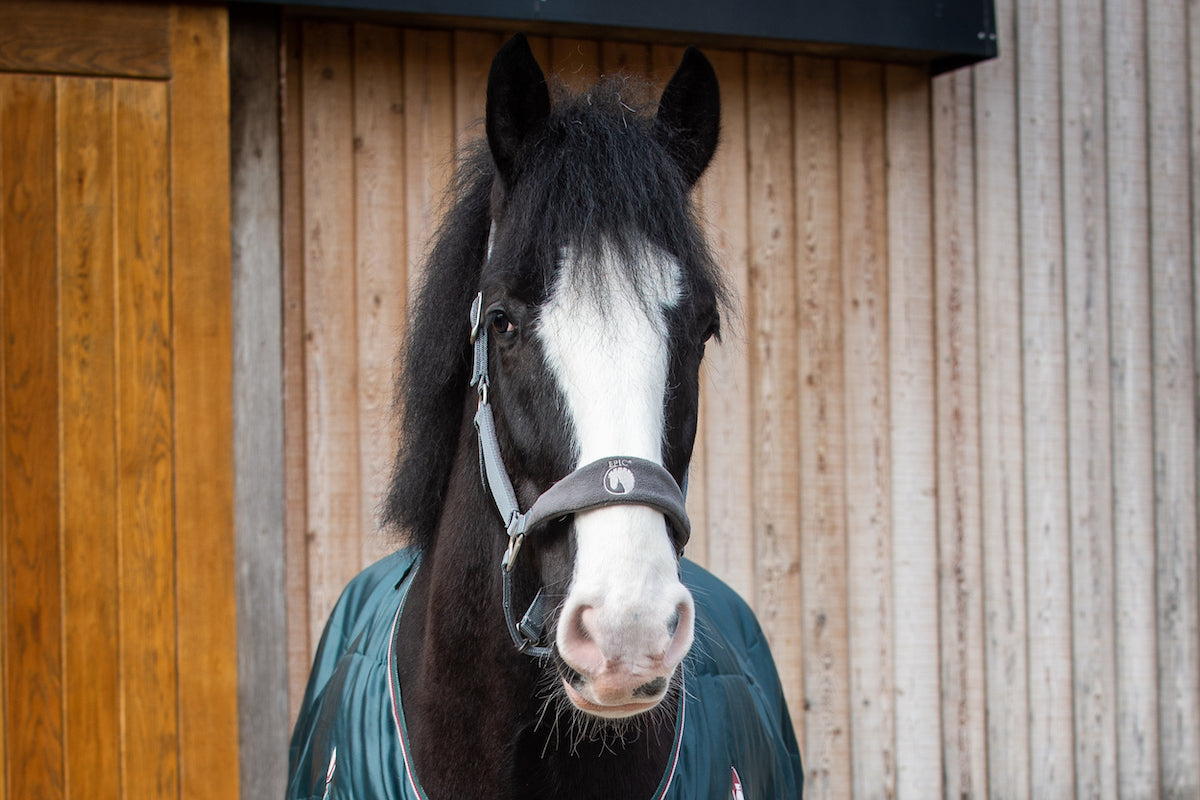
[258,403]
[1046,547]
[1048,555]
[913,408]
[1131,395]
[960,548]
[1089,412]
[1171,278]
[1002,449]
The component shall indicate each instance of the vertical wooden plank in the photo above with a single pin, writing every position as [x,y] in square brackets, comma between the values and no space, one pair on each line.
[295,407]
[822,433]
[150,753]
[912,387]
[1088,414]
[1171,280]
[630,58]
[382,296]
[1045,402]
[961,570]
[540,45]
[662,60]
[258,401]
[330,319]
[868,453]
[771,308]
[1000,415]
[773,366]
[575,62]
[201,284]
[5,146]
[726,388]
[429,137]
[473,52]
[33,679]
[1132,402]
[91,688]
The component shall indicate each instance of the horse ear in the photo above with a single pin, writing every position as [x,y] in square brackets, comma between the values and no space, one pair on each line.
[689,114]
[518,102]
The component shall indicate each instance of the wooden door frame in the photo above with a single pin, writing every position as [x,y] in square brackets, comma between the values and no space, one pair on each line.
[185,47]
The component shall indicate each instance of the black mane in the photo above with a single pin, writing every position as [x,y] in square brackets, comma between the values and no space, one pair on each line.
[599,176]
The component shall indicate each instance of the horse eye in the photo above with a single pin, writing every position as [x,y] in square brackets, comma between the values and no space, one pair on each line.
[502,325]
[714,329]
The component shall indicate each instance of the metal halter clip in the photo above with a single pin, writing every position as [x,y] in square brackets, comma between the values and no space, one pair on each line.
[476,315]
[510,555]
[516,537]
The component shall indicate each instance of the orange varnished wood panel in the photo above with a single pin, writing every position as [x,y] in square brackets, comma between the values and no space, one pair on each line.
[31,457]
[202,402]
[91,577]
[119,654]
[124,39]
[149,683]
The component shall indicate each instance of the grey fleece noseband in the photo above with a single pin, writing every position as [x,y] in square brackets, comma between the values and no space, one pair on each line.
[617,480]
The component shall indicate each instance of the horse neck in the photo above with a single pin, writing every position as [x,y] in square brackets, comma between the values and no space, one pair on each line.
[465,688]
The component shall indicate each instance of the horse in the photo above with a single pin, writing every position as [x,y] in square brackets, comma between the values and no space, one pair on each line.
[541,635]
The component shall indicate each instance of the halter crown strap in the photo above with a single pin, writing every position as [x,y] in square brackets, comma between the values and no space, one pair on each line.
[618,480]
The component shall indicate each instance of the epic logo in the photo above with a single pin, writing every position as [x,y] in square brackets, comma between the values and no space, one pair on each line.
[619,480]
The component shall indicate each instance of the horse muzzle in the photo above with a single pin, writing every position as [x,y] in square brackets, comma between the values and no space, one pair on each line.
[627,621]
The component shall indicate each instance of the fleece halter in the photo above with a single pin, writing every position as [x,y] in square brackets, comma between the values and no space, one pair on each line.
[617,480]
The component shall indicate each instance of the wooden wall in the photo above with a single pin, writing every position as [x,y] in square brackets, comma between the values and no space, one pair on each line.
[116,549]
[948,452]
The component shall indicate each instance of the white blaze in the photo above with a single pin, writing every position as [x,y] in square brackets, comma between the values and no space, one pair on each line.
[609,351]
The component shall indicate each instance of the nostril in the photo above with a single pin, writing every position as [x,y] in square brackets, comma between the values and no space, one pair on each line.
[652,688]
[680,632]
[584,619]
[578,645]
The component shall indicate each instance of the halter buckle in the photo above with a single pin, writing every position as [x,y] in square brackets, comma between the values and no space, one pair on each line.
[516,537]
[476,315]
[510,555]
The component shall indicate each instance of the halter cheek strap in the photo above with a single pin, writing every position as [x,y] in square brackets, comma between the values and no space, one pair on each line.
[618,480]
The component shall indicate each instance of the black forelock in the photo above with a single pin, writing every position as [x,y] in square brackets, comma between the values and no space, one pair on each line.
[594,180]
[598,179]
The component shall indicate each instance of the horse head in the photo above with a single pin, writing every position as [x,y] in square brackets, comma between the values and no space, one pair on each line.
[594,295]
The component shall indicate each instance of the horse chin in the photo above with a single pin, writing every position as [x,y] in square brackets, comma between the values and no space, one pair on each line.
[584,698]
